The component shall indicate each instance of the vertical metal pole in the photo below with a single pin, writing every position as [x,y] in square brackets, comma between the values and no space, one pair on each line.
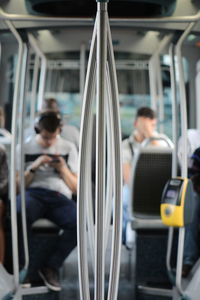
[102,26]
[42,82]
[86,122]
[21,142]
[184,172]
[34,89]
[110,165]
[43,69]
[117,212]
[161,116]
[100,150]
[13,160]
[197,88]
[174,110]
[156,87]
[152,83]
[175,141]
[82,68]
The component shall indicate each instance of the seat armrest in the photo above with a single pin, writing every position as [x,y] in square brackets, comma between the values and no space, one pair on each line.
[138,223]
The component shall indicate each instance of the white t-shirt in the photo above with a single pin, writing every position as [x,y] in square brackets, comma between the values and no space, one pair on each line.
[46,176]
[193,142]
[130,144]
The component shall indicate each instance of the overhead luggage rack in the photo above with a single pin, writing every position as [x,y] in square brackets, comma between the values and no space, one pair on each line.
[87,8]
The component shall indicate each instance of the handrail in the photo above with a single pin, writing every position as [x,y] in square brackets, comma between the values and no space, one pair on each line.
[159,138]
[89,190]
[86,122]
[43,69]
[105,66]
[34,90]
[82,67]
[156,63]
[183,98]
[174,111]
[21,142]
[13,160]
[155,77]
[100,152]
[110,167]
[175,141]
[184,171]
[117,166]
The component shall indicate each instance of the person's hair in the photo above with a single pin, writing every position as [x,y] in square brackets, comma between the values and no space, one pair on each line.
[146,112]
[48,120]
[51,104]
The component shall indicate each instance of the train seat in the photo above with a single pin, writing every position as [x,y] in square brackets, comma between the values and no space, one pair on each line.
[45,226]
[151,170]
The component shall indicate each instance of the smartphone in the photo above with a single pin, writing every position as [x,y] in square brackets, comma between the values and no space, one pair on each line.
[55,159]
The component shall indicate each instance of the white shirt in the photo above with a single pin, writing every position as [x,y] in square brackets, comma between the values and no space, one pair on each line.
[130,144]
[46,176]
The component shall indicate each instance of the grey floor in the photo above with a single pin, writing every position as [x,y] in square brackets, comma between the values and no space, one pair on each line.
[69,276]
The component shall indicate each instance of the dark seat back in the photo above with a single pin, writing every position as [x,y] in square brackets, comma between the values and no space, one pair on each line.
[151,170]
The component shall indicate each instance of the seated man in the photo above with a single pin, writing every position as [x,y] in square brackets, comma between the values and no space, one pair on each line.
[145,125]
[69,132]
[50,179]
[3,197]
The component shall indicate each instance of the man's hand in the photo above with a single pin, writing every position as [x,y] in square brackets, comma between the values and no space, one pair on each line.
[58,163]
[146,127]
[69,178]
[41,160]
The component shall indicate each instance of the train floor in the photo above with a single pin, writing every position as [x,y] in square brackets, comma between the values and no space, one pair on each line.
[128,268]
[70,285]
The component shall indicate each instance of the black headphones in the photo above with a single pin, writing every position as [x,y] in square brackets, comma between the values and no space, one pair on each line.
[53,117]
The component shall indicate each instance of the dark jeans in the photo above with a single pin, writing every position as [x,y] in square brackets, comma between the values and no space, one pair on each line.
[43,203]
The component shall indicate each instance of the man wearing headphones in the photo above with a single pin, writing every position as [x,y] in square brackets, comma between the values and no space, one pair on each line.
[50,179]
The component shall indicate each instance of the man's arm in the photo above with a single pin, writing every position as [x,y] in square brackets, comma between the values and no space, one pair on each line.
[69,178]
[126,173]
[28,177]
[30,172]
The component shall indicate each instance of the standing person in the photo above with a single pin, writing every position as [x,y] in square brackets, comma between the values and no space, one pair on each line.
[50,179]
[193,142]
[144,128]
[3,198]
[191,245]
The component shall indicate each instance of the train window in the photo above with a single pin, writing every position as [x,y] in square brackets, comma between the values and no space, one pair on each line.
[63,83]
[134,89]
